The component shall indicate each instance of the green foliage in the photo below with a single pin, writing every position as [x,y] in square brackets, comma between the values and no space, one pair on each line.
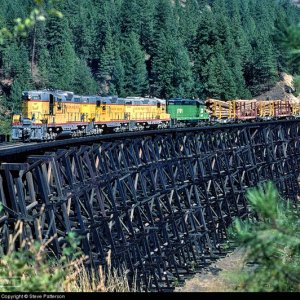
[84,83]
[133,57]
[39,13]
[296,83]
[292,42]
[31,269]
[272,243]
[172,69]
[220,82]
[194,48]
[5,126]
[63,70]
[118,74]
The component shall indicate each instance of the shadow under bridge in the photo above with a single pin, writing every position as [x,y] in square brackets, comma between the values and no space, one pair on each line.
[160,204]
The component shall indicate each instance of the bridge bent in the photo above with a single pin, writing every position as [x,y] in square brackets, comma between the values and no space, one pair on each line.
[159,201]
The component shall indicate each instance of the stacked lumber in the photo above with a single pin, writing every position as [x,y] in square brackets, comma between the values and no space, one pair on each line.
[217,108]
[265,108]
[282,107]
[245,108]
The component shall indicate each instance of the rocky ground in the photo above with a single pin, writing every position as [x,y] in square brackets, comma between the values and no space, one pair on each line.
[215,277]
[283,90]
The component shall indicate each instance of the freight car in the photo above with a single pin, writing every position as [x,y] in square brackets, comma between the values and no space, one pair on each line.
[251,110]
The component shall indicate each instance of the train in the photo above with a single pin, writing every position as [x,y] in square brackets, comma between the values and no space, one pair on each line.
[54,114]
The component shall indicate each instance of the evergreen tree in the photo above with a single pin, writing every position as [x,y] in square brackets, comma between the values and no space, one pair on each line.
[107,61]
[133,57]
[290,43]
[16,61]
[263,73]
[84,82]
[16,64]
[130,18]
[44,65]
[57,32]
[280,38]
[147,10]
[63,60]
[172,69]
[189,21]
[175,45]
[83,26]
[203,49]
[118,76]
[271,243]
[220,82]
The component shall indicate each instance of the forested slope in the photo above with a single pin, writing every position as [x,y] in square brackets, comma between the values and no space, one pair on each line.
[165,48]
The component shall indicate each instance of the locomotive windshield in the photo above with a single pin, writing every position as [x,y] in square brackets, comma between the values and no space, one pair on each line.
[25,96]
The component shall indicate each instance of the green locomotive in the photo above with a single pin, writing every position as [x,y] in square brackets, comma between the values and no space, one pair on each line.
[185,112]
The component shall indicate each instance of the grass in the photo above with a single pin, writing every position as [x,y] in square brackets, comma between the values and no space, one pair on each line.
[37,270]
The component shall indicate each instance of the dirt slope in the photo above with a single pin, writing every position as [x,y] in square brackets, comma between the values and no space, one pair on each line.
[282,90]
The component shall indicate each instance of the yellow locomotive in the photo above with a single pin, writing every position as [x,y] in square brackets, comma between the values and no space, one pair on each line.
[47,115]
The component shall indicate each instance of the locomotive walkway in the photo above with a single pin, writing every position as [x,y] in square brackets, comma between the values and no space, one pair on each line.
[160,201]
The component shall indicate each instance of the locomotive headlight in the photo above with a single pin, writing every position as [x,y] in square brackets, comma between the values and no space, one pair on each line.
[96,126]
[50,129]
[57,129]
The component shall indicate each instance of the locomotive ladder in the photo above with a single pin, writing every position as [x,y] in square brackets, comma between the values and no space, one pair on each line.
[160,202]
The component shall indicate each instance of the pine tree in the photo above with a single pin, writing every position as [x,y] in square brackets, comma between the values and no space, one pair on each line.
[189,21]
[44,65]
[172,69]
[106,61]
[83,82]
[270,243]
[234,60]
[16,62]
[130,18]
[220,82]
[147,12]
[83,25]
[64,66]
[292,47]
[203,48]
[263,72]
[133,57]
[280,38]
[118,76]
[57,32]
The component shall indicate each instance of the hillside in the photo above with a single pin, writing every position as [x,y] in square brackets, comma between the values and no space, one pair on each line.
[283,89]
[164,48]
[296,2]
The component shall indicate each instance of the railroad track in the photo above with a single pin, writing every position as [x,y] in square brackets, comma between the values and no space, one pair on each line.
[9,150]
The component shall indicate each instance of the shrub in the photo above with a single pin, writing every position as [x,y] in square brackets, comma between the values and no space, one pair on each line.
[272,243]
[32,268]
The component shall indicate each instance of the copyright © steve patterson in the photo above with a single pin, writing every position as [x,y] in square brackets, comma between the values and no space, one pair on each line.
[32,296]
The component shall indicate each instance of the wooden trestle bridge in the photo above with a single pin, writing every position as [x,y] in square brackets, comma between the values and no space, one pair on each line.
[160,201]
